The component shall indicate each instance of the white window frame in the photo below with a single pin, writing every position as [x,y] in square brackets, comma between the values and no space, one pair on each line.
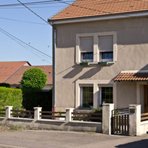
[96,90]
[96,51]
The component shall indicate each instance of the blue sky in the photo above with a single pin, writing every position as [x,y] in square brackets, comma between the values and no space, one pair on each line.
[36,35]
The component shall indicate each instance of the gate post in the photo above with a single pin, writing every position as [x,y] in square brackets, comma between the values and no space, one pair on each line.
[134,119]
[106,118]
[8,111]
[37,113]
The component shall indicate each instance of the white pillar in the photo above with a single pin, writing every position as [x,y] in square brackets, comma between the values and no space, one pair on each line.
[37,113]
[69,114]
[95,95]
[134,119]
[8,110]
[106,118]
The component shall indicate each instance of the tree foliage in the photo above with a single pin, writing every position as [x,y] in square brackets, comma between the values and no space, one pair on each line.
[33,79]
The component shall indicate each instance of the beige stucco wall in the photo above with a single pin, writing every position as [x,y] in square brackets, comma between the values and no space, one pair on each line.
[132,54]
[126,94]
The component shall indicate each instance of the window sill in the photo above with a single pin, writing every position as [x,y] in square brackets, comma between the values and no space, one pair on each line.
[96,63]
[88,63]
[106,63]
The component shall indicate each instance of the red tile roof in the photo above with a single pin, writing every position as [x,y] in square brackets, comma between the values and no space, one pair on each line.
[132,76]
[16,78]
[9,68]
[88,8]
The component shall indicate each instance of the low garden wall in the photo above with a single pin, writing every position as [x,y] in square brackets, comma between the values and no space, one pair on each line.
[12,118]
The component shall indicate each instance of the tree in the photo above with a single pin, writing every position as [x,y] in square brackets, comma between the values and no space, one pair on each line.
[33,79]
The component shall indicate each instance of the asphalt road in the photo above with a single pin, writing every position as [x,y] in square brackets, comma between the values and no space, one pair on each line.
[60,139]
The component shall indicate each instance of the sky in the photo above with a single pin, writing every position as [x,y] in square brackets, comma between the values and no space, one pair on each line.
[18,22]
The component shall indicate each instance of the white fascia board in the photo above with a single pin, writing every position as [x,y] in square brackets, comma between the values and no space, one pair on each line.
[99,18]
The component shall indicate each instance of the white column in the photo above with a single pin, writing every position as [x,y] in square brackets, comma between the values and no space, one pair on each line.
[134,119]
[69,114]
[115,94]
[138,92]
[106,118]
[37,113]
[95,96]
[8,110]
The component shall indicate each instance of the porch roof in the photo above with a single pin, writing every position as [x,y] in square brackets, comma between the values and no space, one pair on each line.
[132,76]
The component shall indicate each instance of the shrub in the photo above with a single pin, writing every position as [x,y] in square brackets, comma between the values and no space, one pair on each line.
[33,79]
[10,97]
[32,83]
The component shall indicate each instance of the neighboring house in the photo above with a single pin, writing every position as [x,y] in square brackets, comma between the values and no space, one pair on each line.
[7,69]
[100,54]
[12,72]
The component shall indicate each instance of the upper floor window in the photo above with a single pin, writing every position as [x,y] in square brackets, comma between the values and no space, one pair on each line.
[96,47]
[105,44]
[86,49]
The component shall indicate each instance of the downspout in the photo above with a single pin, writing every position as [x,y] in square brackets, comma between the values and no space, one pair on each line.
[53,64]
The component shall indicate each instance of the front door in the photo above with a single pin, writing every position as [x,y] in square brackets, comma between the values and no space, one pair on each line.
[145,98]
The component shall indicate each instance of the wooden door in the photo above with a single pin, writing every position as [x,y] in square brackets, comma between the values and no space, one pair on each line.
[145,98]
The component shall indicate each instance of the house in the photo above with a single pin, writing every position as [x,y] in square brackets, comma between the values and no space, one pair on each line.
[100,54]
[7,69]
[11,73]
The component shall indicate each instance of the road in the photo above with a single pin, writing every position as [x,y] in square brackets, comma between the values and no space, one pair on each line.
[60,139]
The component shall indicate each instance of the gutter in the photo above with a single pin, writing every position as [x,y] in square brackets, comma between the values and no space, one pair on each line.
[98,18]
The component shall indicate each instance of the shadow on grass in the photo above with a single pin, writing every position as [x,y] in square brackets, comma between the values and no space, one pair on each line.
[136,144]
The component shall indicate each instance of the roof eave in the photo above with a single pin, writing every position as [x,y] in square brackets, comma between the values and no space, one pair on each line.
[98,18]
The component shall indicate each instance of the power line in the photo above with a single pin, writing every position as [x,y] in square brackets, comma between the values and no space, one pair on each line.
[22,42]
[21,21]
[5,33]
[32,11]
[34,3]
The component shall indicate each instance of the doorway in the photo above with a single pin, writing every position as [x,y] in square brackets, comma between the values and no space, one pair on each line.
[146,98]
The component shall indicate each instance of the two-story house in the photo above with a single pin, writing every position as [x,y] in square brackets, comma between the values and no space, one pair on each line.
[100,51]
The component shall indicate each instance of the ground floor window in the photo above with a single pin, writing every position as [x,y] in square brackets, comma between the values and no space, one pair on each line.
[106,95]
[86,96]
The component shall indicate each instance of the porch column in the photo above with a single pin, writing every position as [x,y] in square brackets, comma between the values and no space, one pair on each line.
[106,118]
[134,119]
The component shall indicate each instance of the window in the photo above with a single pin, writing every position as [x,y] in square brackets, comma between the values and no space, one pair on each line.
[86,96]
[106,48]
[96,47]
[86,56]
[107,94]
[86,49]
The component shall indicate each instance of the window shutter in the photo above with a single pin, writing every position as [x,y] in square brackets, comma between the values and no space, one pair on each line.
[106,43]
[86,44]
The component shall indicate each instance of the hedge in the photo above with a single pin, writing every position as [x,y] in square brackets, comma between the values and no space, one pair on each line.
[38,99]
[10,97]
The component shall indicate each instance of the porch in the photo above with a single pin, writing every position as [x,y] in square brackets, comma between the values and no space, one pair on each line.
[131,88]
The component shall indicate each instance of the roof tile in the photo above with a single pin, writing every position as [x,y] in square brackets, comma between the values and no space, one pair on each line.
[87,8]
[139,76]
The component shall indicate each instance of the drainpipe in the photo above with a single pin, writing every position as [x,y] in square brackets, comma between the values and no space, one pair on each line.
[53,64]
